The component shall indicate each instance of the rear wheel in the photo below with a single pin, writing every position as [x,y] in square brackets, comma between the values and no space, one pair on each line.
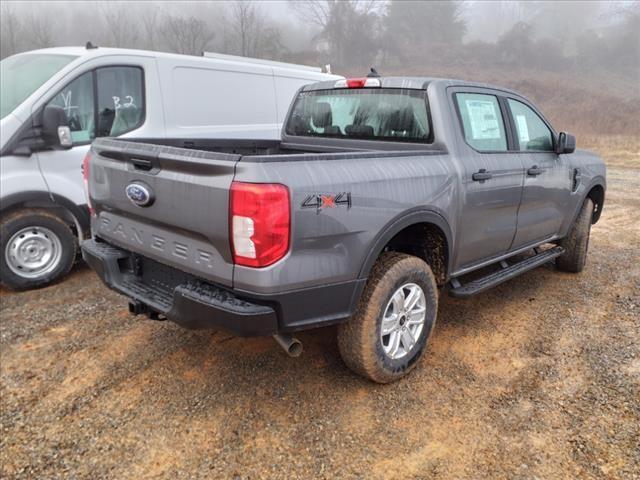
[396,315]
[37,248]
[576,243]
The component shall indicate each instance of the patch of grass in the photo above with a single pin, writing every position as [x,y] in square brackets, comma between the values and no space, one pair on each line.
[616,150]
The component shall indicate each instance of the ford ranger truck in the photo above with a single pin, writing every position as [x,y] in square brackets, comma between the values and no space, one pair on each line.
[380,192]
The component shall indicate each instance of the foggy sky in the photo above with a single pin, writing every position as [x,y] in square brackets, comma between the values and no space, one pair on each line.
[486,20]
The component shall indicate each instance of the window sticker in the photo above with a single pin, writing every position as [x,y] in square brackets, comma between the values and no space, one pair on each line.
[523,130]
[484,119]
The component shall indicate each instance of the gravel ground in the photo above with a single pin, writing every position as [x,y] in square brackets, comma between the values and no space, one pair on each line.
[540,378]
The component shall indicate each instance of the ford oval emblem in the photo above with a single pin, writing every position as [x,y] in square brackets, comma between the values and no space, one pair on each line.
[140,194]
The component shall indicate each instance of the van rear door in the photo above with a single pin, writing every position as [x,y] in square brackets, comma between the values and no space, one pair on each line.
[165,203]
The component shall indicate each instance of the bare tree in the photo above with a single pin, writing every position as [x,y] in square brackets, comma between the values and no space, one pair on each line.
[10,30]
[120,23]
[246,24]
[249,33]
[349,29]
[187,35]
[151,26]
[40,30]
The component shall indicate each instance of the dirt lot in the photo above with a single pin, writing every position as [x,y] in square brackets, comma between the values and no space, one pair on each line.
[540,378]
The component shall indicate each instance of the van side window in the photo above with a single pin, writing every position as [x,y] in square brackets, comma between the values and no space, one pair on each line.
[77,101]
[120,100]
[482,121]
[533,133]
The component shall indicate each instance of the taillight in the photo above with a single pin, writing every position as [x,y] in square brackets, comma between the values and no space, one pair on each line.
[85,177]
[366,82]
[260,223]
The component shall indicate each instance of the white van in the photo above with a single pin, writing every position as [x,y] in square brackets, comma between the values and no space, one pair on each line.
[55,101]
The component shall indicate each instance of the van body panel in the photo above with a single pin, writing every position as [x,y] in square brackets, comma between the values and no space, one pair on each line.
[19,174]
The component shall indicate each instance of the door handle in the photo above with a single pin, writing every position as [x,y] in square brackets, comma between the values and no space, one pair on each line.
[534,171]
[481,175]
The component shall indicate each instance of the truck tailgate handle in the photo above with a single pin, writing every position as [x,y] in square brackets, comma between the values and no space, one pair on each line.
[534,171]
[141,164]
[481,175]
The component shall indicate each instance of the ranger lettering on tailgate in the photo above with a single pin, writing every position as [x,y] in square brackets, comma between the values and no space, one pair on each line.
[130,234]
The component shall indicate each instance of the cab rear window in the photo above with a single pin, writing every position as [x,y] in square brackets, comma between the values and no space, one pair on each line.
[389,114]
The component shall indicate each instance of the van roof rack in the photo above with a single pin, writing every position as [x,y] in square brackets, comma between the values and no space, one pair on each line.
[259,61]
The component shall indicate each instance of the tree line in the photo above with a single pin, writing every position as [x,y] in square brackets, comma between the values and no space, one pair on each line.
[348,34]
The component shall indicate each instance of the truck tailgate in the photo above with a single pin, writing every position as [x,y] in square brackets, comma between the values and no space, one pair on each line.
[184,223]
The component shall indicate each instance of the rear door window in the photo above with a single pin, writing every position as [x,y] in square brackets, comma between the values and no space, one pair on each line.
[533,133]
[482,122]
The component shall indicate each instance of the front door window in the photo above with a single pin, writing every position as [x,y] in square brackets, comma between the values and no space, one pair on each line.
[77,101]
[533,133]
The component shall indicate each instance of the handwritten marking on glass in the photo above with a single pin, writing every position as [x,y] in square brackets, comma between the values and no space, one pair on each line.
[129,102]
[66,100]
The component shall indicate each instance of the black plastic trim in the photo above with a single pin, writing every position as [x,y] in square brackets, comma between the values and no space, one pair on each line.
[496,278]
[196,304]
[47,200]
[313,307]
[398,224]
[191,303]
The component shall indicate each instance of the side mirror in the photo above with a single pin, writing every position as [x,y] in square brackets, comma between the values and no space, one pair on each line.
[55,127]
[566,143]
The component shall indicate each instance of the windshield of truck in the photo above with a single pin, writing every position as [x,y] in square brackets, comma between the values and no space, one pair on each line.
[391,114]
[21,75]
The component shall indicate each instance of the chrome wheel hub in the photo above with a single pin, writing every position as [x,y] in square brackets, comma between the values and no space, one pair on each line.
[403,321]
[33,252]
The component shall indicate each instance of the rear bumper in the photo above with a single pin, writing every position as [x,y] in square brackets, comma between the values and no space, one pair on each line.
[181,298]
[194,303]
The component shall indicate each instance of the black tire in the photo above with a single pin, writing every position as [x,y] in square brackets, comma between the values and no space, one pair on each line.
[48,230]
[576,243]
[359,340]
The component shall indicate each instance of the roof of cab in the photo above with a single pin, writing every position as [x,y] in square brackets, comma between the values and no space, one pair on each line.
[415,83]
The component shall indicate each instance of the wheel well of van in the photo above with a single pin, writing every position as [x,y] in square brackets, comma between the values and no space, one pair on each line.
[426,241]
[62,208]
[596,194]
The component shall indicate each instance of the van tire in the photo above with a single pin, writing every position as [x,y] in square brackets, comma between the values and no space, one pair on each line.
[359,339]
[43,233]
[576,243]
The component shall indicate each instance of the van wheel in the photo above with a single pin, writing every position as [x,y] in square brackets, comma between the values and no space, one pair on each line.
[37,249]
[576,243]
[397,311]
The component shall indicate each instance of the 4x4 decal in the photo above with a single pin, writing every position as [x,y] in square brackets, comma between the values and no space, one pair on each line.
[320,201]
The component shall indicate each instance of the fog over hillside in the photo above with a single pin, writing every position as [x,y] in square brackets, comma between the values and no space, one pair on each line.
[579,54]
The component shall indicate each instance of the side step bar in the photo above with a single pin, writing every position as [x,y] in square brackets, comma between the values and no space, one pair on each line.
[507,273]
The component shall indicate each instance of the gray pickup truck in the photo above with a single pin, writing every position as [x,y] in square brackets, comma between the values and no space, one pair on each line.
[381,191]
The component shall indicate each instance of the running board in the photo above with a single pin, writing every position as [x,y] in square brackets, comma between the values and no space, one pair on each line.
[507,273]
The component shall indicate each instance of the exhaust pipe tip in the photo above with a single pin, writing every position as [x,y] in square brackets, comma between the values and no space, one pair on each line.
[295,349]
[292,346]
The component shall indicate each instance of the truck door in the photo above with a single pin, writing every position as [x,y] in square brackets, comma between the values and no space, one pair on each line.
[547,181]
[106,101]
[492,179]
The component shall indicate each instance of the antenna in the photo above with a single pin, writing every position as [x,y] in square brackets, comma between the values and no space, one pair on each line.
[373,73]
[90,46]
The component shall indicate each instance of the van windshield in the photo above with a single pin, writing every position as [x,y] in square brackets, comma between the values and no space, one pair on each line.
[21,75]
[391,114]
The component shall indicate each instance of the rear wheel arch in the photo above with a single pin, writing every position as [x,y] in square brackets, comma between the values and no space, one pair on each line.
[422,233]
